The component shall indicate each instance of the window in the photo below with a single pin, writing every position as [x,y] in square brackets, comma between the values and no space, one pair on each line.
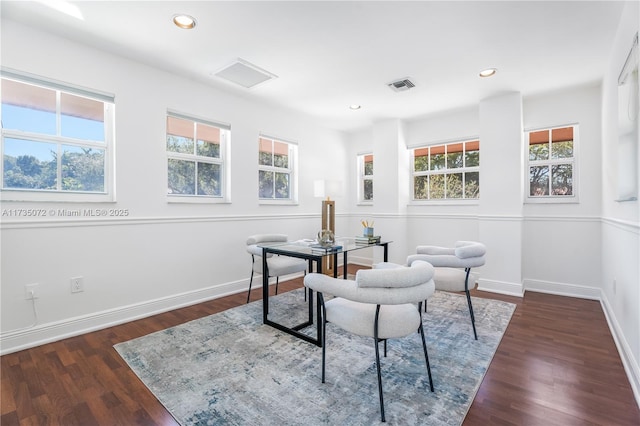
[551,163]
[57,141]
[365,178]
[196,158]
[276,171]
[447,172]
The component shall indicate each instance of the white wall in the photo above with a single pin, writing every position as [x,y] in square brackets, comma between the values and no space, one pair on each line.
[163,254]
[562,241]
[620,277]
[166,255]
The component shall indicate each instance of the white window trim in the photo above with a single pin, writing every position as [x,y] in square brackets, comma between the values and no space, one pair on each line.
[293,173]
[361,178]
[440,201]
[224,161]
[554,199]
[40,195]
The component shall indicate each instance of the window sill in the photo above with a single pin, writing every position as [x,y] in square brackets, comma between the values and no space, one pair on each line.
[552,200]
[46,196]
[277,202]
[463,202]
[190,199]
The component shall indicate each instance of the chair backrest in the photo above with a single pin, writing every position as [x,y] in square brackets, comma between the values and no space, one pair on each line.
[395,285]
[254,240]
[465,254]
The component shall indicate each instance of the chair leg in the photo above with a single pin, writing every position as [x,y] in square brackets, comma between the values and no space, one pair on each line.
[426,355]
[323,338]
[376,340]
[250,282]
[466,290]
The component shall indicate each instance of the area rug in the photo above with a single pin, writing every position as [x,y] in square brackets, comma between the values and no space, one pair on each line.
[230,369]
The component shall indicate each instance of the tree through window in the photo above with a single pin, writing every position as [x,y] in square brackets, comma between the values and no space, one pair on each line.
[445,172]
[275,169]
[551,162]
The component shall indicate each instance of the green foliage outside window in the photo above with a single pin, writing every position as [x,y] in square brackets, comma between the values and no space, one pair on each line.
[444,172]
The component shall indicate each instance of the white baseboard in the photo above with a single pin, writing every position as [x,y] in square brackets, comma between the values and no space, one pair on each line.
[54,331]
[631,366]
[501,287]
[562,289]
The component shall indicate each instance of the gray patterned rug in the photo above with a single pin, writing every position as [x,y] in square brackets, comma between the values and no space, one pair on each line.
[230,369]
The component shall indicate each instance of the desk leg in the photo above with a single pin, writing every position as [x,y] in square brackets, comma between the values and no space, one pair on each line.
[344,265]
[265,287]
[386,252]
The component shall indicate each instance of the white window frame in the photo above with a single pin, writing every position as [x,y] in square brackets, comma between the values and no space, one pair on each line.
[58,195]
[292,171]
[552,199]
[224,161]
[362,178]
[464,169]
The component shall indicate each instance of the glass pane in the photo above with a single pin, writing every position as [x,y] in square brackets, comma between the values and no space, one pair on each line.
[265,152]
[368,165]
[420,187]
[437,158]
[472,154]
[29,164]
[265,184]
[472,185]
[436,187]
[282,185]
[182,177]
[82,169]
[539,145]
[368,189]
[538,181]
[454,156]
[180,135]
[562,179]
[208,144]
[209,180]
[421,160]
[454,185]
[81,118]
[281,154]
[28,108]
[562,143]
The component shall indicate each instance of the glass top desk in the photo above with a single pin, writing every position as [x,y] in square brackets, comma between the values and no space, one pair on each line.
[304,251]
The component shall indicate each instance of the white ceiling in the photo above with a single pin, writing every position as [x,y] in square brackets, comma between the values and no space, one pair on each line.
[331,54]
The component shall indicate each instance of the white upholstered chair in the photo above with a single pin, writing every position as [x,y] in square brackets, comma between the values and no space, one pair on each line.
[278,265]
[453,267]
[382,303]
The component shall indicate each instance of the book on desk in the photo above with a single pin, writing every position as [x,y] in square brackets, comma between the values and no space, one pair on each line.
[317,248]
[367,240]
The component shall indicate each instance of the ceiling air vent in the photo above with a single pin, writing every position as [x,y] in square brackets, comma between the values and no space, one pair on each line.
[245,74]
[401,85]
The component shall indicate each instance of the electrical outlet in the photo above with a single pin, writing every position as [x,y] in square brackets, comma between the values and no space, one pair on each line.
[77,284]
[29,289]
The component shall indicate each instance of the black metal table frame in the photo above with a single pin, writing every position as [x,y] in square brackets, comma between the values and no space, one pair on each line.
[311,257]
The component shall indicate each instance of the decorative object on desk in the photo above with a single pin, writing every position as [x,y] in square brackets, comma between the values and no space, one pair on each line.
[226,368]
[326,238]
[367,228]
[328,220]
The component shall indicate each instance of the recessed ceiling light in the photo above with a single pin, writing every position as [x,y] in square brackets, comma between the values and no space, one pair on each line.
[355,107]
[184,21]
[488,72]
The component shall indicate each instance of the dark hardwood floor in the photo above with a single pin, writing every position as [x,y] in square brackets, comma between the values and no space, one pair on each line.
[557,364]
